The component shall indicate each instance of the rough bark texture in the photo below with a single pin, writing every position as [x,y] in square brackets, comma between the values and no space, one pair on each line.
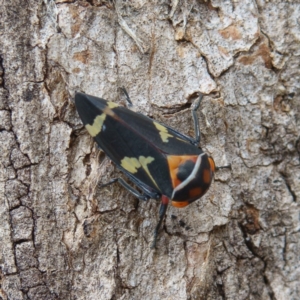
[61,237]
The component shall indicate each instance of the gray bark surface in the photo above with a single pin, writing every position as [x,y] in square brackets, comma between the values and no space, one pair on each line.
[61,237]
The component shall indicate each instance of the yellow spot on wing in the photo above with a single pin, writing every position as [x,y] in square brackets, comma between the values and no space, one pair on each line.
[112,104]
[96,127]
[144,162]
[131,164]
[163,132]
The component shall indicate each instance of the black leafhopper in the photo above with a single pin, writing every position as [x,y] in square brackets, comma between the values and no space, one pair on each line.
[162,162]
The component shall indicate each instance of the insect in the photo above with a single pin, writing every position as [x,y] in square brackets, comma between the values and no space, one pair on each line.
[163,163]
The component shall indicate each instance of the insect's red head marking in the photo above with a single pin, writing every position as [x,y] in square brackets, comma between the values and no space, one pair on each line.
[178,165]
[180,204]
[191,177]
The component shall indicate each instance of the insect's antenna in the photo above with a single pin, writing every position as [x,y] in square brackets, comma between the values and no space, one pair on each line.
[223,167]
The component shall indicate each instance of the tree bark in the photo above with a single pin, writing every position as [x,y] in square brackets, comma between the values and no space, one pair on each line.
[63,238]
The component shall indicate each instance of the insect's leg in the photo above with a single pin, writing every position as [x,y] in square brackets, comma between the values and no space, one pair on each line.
[126,95]
[151,193]
[130,189]
[162,213]
[197,138]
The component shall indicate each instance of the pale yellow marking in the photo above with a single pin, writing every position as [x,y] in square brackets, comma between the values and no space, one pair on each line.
[112,104]
[144,162]
[163,132]
[109,112]
[181,140]
[96,127]
[131,164]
